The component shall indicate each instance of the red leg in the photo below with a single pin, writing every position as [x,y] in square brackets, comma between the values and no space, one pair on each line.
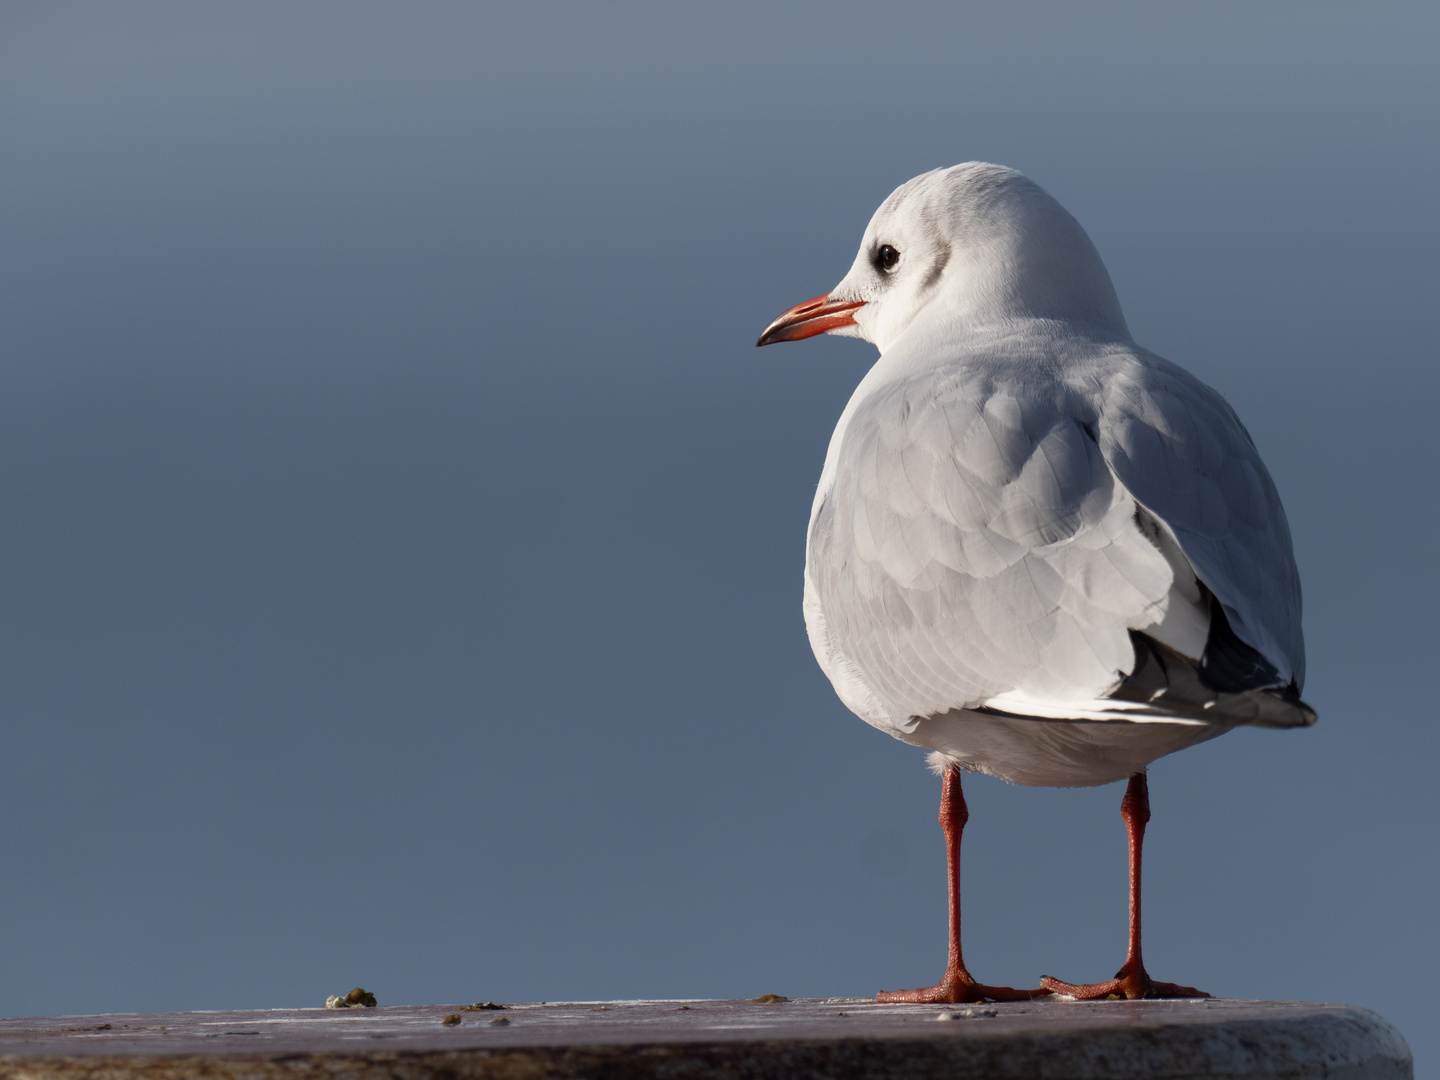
[957,985]
[1131,981]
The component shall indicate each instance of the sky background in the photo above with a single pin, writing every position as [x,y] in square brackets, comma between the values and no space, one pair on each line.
[401,537]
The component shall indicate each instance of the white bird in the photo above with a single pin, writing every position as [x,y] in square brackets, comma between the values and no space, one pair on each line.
[1037,550]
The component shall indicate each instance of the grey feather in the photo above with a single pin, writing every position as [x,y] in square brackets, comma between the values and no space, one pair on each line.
[1183,453]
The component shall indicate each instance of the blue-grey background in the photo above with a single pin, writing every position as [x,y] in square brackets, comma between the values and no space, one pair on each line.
[401,539]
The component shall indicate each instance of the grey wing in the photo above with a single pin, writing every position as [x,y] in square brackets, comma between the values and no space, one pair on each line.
[974,543]
[1182,452]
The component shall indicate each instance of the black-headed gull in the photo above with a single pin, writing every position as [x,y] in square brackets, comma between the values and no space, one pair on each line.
[1037,550]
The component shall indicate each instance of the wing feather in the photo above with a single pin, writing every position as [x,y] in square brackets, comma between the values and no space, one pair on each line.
[1179,448]
[980,538]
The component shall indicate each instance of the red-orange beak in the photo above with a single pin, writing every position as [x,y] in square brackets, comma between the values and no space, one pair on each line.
[811,318]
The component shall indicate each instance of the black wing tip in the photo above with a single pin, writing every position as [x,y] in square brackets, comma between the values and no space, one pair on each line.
[1232,665]
[1171,682]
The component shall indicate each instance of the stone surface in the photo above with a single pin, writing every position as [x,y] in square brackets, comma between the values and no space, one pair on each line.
[690,1040]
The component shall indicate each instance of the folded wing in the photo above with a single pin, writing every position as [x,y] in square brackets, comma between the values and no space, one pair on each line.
[1179,448]
[982,547]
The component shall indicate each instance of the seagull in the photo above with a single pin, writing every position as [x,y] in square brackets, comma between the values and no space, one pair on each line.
[1037,550]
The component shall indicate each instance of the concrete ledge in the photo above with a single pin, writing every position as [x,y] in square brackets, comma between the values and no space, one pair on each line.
[836,1039]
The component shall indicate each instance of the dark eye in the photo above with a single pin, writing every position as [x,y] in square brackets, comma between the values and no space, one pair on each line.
[886,258]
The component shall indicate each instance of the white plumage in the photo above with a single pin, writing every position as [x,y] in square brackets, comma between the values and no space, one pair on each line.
[1037,549]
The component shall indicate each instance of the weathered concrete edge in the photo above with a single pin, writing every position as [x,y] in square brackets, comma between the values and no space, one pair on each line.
[1360,1046]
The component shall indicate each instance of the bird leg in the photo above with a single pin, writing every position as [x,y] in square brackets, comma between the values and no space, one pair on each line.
[957,985]
[1131,981]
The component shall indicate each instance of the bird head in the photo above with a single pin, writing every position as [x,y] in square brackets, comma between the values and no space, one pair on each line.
[969,246]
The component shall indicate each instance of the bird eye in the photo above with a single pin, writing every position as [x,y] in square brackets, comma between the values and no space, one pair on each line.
[886,258]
